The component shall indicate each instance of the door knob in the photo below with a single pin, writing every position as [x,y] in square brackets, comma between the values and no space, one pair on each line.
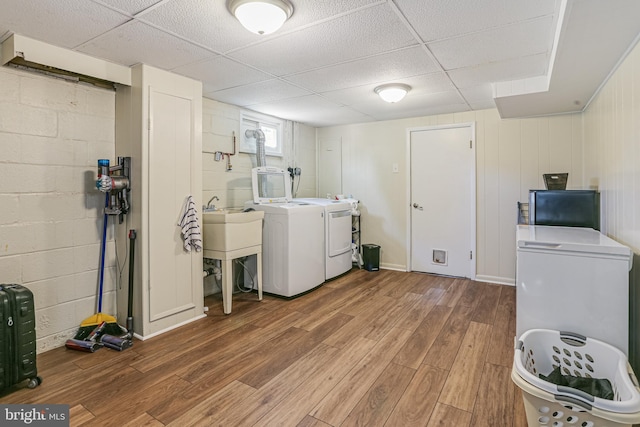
[417,206]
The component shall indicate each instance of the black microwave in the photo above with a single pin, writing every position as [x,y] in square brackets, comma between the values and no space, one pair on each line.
[569,208]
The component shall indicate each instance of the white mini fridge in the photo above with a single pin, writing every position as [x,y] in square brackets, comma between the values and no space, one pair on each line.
[573,279]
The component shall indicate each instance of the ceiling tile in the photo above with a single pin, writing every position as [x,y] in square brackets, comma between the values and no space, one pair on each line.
[432,110]
[139,43]
[513,69]
[494,45]
[478,94]
[306,12]
[388,67]
[439,19]
[482,105]
[367,32]
[412,105]
[256,93]
[303,109]
[130,6]
[56,21]
[207,23]
[222,73]
[420,85]
[337,116]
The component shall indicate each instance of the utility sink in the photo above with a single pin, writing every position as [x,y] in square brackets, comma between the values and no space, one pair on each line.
[230,229]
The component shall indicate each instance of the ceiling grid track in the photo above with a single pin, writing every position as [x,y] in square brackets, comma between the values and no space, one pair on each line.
[426,49]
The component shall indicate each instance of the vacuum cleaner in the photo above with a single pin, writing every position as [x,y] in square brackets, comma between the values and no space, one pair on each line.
[115,343]
[124,342]
[90,344]
[97,338]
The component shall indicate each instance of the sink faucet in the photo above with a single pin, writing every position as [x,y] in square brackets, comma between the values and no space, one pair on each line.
[211,200]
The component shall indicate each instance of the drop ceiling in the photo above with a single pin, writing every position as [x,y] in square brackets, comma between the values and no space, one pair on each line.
[525,57]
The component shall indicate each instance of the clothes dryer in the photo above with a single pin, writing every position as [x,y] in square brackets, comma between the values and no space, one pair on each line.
[337,235]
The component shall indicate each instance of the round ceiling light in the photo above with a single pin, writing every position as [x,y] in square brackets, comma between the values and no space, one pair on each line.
[392,92]
[261,16]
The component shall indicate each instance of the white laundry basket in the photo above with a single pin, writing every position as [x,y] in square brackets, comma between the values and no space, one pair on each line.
[539,351]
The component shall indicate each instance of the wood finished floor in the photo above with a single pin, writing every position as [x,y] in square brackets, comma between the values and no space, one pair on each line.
[369,348]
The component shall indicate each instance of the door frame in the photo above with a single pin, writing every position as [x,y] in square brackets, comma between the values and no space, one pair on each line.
[473,228]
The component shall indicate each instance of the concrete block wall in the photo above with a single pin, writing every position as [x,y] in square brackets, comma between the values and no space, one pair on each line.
[232,187]
[51,134]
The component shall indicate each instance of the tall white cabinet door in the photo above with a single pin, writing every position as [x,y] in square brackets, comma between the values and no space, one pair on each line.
[159,125]
[170,282]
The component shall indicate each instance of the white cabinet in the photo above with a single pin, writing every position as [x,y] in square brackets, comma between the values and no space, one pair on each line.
[159,125]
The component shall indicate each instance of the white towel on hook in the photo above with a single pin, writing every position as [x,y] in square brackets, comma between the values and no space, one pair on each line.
[189,226]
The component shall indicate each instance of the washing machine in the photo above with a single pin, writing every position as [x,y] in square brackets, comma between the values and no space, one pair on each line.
[337,235]
[292,235]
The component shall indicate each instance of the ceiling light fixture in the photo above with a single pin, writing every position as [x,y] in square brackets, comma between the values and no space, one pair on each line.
[392,92]
[261,16]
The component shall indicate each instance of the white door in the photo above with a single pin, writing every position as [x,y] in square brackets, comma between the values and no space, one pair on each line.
[442,161]
[329,167]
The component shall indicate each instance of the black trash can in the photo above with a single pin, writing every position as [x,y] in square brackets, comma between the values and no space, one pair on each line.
[371,257]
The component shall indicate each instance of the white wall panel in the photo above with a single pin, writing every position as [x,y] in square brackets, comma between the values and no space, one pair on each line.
[490,248]
[481,185]
[544,144]
[509,147]
[560,147]
[612,151]
[529,149]
[305,154]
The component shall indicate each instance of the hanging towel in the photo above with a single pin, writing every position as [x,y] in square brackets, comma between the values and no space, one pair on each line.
[188,223]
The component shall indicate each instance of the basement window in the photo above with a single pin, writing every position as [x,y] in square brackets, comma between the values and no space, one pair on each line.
[272,129]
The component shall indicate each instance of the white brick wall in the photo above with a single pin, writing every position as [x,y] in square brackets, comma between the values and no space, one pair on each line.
[51,134]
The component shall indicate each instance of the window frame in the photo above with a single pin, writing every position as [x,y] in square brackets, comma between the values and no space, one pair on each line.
[250,120]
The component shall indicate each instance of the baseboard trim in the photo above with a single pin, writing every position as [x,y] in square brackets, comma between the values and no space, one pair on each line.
[394,267]
[495,279]
[155,334]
